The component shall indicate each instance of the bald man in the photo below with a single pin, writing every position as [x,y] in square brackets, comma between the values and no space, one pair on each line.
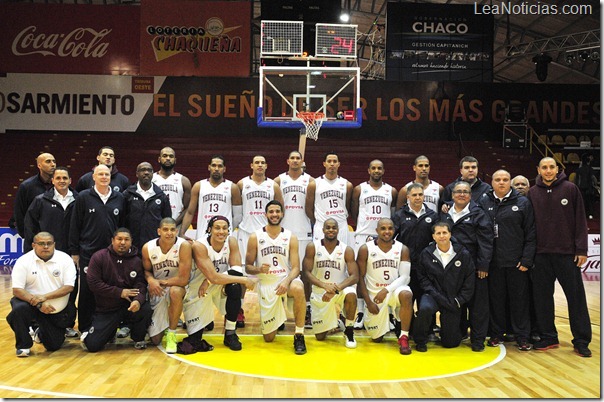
[176,186]
[97,214]
[521,184]
[32,187]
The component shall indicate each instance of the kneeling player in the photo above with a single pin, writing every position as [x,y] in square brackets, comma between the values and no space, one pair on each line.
[275,251]
[330,267]
[384,278]
[217,280]
[167,262]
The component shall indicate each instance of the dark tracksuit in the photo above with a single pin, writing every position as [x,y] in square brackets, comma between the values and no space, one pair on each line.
[28,190]
[475,232]
[514,243]
[561,235]
[119,182]
[479,189]
[91,229]
[108,274]
[416,234]
[143,217]
[47,215]
[445,290]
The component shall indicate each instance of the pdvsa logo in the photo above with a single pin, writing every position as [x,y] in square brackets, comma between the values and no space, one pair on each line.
[11,246]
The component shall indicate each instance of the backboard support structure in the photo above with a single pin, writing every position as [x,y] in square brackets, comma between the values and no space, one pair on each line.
[330,92]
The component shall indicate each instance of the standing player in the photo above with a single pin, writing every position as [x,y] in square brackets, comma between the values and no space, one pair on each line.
[330,267]
[329,197]
[293,185]
[175,185]
[371,201]
[217,280]
[272,255]
[256,191]
[432,190]
[167,261]
[384,277]
[211,197]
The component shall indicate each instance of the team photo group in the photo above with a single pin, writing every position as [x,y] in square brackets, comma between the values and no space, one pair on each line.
[469,261]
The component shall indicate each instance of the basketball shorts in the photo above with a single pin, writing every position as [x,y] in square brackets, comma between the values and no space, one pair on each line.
[324,315]
[378,324]
[272,306]
[199,311]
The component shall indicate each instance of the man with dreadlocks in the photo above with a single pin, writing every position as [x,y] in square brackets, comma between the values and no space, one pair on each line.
[217,280]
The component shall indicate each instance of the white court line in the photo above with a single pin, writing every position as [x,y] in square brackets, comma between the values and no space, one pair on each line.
[40,392]
[501,356]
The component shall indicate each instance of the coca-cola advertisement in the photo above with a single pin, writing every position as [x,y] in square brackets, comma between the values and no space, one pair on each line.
[195,38]
[69,38]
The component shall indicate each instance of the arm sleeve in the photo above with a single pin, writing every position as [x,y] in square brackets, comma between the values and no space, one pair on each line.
[237,215]
[404,267]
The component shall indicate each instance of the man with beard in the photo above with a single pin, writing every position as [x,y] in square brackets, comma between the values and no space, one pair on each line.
[384,269]
[561,251]
[330,267]
[216,281]
[272,255]
[213,196]
[117,279]
[106,157]
[371,201]
[432,190]
[146,206]
[176,186]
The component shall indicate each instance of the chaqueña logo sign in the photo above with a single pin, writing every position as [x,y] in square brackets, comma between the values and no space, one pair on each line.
[80,42]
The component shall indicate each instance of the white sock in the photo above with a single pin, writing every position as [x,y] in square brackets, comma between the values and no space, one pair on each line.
[299,330]
[230,325]
[404,333]
[360,305]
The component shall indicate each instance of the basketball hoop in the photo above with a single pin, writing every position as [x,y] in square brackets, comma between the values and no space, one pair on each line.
[312,122]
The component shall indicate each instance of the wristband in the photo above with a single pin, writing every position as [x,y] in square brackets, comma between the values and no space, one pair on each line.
[39,305]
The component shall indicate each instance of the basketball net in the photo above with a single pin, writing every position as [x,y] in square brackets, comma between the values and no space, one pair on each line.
[312,122]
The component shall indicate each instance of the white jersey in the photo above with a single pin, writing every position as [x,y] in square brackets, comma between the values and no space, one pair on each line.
[373,206]
[172,186]
[255,197]
[213,201]
[274,253]
[382,268]
[294,200]
[164,266]
[431,195]
[220,259]
[330,200]
[329,267]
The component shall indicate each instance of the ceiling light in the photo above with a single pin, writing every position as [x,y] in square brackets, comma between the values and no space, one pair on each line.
[344,17]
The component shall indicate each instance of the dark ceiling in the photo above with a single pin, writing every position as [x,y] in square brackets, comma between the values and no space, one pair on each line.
[518,39]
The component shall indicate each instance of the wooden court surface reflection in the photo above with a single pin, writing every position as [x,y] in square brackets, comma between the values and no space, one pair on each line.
[122,372]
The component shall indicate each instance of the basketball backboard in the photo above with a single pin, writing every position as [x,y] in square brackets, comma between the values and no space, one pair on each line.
[285,91]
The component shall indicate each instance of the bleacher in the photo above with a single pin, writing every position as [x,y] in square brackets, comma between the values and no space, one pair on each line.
[78,152]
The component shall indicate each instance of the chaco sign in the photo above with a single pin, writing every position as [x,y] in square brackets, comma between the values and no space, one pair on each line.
[69,38]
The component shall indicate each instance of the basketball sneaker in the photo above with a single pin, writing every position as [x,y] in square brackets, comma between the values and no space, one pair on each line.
[210,326]
[36,336]
[171,342]
[582,351]
[546,343]
[140,345]
[123,332]
[351,343]
[22,352]
[71,333]
[232,341]
[299,344]
[359,321]
[403,343]
[240,319]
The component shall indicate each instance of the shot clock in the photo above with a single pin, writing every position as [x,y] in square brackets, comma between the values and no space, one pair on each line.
[336,40]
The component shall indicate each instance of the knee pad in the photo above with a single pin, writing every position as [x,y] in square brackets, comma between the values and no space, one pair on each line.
[233,290]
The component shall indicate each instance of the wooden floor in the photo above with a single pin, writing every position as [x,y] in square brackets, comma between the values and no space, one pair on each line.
[122,372]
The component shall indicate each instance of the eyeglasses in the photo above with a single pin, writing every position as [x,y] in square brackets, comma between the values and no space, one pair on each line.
[45,243]
[464,192]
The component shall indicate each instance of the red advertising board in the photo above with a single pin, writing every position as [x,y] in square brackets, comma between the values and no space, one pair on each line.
[69,38]
[195,38]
